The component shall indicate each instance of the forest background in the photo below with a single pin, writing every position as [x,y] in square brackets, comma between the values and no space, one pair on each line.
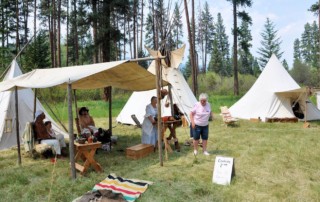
[76,32]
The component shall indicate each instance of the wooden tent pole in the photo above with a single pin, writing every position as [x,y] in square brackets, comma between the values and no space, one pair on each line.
[170,97]
[34,104]
[110,110]
[71,134]
[158,80]
[17,124]
[75,103]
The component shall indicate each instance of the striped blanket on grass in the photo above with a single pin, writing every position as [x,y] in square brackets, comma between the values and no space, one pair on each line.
[131,189]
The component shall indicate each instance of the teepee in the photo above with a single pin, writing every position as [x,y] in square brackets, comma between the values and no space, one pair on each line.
[8,137]
[182,95]
[273,95]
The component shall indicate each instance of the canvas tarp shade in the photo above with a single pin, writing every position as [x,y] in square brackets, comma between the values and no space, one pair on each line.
[26,97]
[272,95]
[120,74]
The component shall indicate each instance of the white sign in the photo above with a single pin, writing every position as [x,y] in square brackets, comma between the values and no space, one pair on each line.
[223,168]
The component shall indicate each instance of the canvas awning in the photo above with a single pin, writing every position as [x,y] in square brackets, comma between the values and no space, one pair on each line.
[120,74]
[293,93]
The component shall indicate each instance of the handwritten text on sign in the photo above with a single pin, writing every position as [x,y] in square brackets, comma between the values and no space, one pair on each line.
[222,170]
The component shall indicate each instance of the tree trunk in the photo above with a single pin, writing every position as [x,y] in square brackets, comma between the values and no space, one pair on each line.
[130,44]
[67,36]
[35,19]
[58,34]
[235,51]
[17,27]
[76,41]
[141,26]
[25,21]
[134,29]
[106,35]
[191,48]
[195,60]
[124,36]
[95,31]
[154,28]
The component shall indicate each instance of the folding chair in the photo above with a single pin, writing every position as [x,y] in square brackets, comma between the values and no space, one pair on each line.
[227,118]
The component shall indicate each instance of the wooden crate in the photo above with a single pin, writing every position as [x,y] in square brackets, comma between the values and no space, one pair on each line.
[139,151]
[255,120]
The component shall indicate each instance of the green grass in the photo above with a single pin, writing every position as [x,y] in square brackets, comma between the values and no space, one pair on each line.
[273,162]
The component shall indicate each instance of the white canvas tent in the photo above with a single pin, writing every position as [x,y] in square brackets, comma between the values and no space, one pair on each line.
[182,95]
[272,96]
[8,137]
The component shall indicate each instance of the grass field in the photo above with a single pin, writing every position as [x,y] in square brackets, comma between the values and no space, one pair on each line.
[273,162]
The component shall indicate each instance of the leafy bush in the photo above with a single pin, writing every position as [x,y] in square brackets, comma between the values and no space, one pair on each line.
[212,83]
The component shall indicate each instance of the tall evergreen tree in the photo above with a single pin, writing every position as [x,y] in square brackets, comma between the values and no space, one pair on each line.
[220,57]
[296,50]
[205,34]
[38,54]
[245,17]
[176,27]
[309,45]
[245,57]
[285,64]
[270,44]
[7,17]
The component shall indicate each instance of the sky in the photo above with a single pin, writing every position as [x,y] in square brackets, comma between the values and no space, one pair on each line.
[288,17]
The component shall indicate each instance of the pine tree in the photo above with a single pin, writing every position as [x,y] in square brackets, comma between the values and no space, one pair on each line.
[220,58]
[38,54]
[245,17]
[245,57]
[296,50]
[285,64]
[306,43]
[270,44]
[205,34]
[176,27]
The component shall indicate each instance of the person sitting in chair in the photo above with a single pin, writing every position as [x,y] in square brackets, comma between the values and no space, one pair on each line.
[88,127]
[42,133]
[55,135]
[297,110]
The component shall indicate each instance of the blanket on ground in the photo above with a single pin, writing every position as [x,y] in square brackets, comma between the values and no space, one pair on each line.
[131,189]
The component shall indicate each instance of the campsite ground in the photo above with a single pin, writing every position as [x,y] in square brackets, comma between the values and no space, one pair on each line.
[273,162]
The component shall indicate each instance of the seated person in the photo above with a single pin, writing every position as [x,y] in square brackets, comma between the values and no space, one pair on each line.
[42,133]
[55,135]
[88,127]
[297,111]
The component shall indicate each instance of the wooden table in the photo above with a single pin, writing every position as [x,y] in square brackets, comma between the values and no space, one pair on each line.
[86,153]
[171,125]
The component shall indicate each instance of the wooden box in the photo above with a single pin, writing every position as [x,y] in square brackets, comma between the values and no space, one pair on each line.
[255,120]
[139,151]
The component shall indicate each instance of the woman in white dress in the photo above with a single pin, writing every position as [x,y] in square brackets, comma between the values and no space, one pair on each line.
[149,124]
